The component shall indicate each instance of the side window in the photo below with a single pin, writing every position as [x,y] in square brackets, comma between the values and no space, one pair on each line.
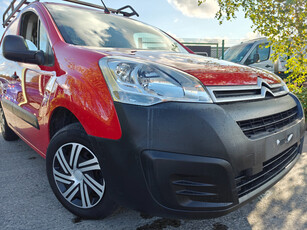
[148,41]
[45,46]
[260,53]
[36,36]
[154,42]
[29,29]
[264,52]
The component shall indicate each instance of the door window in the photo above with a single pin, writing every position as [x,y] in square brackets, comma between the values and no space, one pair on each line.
[29,29]
[36,37]
[261,51]
[44,45]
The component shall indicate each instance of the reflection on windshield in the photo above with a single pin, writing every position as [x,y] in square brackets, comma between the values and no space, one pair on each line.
[237,53]
[86,27]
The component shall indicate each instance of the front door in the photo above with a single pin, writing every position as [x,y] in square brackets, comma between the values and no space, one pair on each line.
[24,100]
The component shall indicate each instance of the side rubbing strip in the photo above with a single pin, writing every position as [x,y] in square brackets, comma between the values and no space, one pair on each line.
[20,112]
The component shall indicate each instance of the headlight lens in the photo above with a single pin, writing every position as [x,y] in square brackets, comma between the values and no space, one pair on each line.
[144,83]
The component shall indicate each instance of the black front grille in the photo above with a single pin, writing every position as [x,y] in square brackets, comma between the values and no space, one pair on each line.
[246,184]
[265,125]
[237,93]
[256,91]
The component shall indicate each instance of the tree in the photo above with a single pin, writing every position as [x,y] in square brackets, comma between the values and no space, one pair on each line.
[283,22]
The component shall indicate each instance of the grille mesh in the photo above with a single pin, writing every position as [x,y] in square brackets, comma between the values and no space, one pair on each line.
[265,125]
[246,184]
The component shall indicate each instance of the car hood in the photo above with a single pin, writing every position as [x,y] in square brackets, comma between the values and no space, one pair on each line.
[209,71]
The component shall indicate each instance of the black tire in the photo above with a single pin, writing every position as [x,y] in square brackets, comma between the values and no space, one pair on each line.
[72,165]
[7,133]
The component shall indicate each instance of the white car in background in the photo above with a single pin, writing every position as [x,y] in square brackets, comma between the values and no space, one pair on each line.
[255,53]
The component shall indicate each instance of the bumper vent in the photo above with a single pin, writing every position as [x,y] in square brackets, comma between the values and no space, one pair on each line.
[265,125]
[192,189]
[271,168]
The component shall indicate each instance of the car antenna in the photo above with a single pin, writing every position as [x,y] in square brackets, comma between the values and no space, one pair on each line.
[106,10]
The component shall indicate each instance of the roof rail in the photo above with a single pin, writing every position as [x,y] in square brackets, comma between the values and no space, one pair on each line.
[10,12]
[114,11]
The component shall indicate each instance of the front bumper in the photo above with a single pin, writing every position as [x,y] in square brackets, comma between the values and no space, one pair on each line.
[192,160]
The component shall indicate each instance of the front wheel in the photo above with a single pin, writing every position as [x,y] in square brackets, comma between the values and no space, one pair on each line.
[7,133]
[75,174]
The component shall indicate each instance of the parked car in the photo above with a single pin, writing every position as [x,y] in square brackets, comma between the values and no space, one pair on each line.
[256,53]
[126,115]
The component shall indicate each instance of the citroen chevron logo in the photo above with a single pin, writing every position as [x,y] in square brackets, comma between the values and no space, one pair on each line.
[264,86]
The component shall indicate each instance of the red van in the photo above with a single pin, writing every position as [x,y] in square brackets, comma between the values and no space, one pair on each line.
[126,115]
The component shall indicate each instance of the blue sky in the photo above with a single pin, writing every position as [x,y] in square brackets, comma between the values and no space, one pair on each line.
[181,18]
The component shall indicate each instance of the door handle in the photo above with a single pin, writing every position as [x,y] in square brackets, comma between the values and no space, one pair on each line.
[267,66]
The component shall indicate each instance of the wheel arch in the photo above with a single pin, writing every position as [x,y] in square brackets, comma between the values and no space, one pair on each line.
[60,118]
[89,118]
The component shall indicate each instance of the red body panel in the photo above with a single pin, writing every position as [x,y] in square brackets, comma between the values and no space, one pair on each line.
[81,88]
[84,92]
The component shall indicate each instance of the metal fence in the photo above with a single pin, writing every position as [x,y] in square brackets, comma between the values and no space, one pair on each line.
[209,49]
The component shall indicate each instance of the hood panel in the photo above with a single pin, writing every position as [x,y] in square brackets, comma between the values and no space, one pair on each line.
[209,71]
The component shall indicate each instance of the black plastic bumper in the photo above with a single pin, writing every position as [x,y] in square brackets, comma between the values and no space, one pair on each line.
[192,160]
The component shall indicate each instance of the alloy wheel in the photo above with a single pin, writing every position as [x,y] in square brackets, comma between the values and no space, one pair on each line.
[78,175]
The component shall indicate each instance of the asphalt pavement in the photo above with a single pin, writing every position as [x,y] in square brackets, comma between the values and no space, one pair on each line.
[27,202]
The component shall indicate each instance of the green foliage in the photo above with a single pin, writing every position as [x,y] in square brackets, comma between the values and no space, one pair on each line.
[283,22]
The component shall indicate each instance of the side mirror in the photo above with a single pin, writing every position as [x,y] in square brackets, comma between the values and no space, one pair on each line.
[256,58]
[14,48]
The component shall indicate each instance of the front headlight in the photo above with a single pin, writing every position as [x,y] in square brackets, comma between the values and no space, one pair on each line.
[143,83]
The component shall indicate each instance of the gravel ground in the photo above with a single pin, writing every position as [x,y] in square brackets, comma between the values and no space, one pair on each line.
[27,201]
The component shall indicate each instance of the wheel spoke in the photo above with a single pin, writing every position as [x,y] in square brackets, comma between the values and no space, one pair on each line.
[98,188]
[74,155]
[72,195]
[87,197]
[59,179]
[87,163]
[63,177]
[84,195]
[74,188]
[63,162]
[90,168]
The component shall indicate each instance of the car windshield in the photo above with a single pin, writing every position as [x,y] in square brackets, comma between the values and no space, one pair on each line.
[237,53]
[87,27]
